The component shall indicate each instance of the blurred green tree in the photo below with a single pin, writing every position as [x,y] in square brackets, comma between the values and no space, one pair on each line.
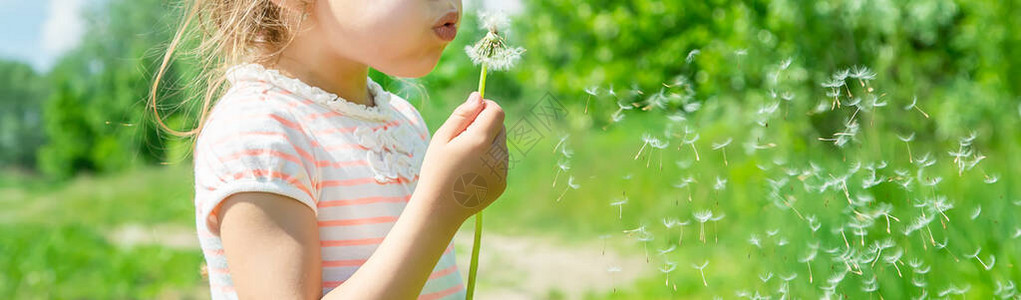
[97,118]
[22,92]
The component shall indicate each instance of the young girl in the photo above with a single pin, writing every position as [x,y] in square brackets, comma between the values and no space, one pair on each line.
[311,181]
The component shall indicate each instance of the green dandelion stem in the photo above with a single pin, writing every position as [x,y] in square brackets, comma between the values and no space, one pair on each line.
[482,82]
[474,267]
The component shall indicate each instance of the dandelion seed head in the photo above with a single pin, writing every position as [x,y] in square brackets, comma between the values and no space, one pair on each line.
[492,51]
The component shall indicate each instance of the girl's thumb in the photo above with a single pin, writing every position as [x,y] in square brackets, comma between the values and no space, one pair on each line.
[462,116]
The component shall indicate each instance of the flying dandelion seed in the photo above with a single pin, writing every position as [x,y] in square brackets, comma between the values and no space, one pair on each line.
[755,241]
[893,259]
[701,270]
[592,91]
[570,186]
[813,223]
[562,167]
[561,142]
[907,141]
[659,145]
[690,140]
[884,210]
[645,239]
[702,217]
[954,290]
[722,147]
[604,238]
[809,257]
[878,247]
[612,271]
[666,269]
[720,184]
[784,65]
[671,223]
[692,55]
[863,74]
[663,252]
[992,259]
[717,218]
[646,140]
[642,235]
[914,105]
[620,207]
[870,285]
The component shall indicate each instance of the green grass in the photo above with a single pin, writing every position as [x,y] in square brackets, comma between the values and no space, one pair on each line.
[55,241]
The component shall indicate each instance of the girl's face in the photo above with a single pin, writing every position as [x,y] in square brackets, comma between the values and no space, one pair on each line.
[401,38]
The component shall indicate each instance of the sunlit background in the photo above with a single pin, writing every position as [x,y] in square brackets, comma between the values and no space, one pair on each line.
[663,149]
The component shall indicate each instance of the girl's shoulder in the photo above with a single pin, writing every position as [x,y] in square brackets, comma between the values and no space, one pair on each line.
[409,112]
[252,110]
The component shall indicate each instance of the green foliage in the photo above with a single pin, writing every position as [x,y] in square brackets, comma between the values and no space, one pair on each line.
[954,56]
[21,95]
[97,118]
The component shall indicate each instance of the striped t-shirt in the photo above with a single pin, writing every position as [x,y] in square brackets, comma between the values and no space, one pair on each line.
[354,166]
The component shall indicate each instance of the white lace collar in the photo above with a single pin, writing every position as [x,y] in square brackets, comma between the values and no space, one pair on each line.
[381,112]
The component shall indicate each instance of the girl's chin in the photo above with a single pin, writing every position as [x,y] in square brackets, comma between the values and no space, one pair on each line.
[413,69]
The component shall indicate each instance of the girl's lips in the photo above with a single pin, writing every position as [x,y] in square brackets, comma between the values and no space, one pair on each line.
[446,32]
[445,26]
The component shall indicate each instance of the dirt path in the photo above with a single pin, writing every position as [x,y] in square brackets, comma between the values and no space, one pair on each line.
[510,267]
[525,267]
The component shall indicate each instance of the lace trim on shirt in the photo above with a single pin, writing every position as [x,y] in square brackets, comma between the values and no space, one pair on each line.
[381,112]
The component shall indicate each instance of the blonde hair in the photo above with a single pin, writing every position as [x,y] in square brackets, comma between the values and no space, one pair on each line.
[229,32]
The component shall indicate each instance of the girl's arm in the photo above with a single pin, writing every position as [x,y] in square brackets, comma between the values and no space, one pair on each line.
[272,245]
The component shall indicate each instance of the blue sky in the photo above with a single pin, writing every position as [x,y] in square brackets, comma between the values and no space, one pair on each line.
[39,31]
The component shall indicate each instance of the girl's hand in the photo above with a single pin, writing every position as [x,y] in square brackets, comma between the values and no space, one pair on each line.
[465,166]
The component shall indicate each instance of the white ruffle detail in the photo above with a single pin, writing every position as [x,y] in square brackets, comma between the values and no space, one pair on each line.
[393,152]
[381,112]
